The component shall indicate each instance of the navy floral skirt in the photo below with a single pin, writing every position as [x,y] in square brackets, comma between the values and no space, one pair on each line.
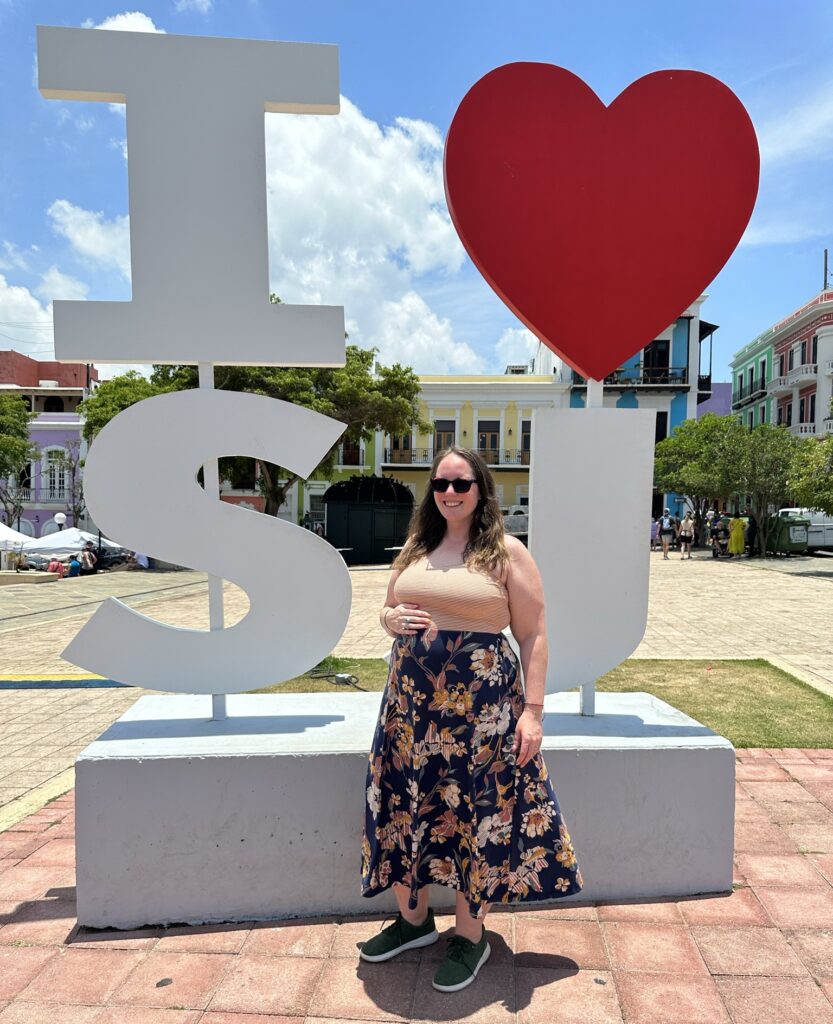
[446,802]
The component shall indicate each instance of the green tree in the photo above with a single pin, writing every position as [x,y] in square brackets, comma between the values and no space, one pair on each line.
[16,452]
[73,465]
[113,396]
[769,455]
[702,460]
[365,401]
[811,477]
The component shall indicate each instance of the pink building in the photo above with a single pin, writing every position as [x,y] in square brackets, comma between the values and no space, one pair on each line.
[53,391]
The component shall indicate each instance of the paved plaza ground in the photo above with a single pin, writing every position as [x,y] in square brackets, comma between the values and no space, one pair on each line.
[764,953]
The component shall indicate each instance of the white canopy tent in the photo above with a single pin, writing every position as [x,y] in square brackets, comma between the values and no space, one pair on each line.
[11,540]
[65,542]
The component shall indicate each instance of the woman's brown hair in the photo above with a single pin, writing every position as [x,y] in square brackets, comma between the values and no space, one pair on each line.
[486,548]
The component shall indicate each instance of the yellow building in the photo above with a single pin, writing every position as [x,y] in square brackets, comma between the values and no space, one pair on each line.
[493,414]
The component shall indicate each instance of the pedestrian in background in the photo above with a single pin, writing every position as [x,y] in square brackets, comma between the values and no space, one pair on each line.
[667,526]
[654,533]
[686,535]
[737,543]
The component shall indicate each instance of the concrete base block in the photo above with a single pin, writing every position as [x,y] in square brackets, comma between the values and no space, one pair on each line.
[182,819]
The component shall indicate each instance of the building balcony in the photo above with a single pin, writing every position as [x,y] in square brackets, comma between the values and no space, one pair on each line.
[805,372]
[828,425]
[704,383]
[350,455]
[778,384]
[52,496]
[645,378]
[803,429]
[748,392]
[423,457]
[828,366]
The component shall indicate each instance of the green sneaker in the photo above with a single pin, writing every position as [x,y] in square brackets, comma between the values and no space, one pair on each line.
[462,962]
[398,937]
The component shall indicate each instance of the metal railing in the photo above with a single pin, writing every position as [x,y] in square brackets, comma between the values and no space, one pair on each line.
[704,382]
[749,392]
[641,377]
[425,456]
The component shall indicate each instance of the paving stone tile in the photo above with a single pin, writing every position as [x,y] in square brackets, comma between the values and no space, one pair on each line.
[812,772]
[560,945]
[357,989]
[746,951]
[785,1000]
[147,1015]
[565,912]
[568,997]
[755,837]
[823,863]
[782,812]
[23,882]
[751,810]
[18,966]
[662,948]
[779,869]
[212,1017]
[669,999]
[188,980]
[810,836]
[40,923]
[20,1012]
[19,844]
[312,938]
[266,984]
[814,947]
[213,938]
[797,907]
[84,976]
[771,791]
[768,771]
[654,911]
[490,1000]
[55,852]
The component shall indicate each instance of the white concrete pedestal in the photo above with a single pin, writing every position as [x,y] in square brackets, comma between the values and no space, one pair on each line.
[181,819]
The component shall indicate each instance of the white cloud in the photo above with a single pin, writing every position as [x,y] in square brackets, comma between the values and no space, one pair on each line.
[13,258]
[200,6]
[25,324]
[57,285]
[516,345]
[805,132]
[105,243]
[782,231]
[409,333]
[127,21]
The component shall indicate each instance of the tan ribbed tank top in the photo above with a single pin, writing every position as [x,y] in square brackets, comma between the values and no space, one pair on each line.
[456,597]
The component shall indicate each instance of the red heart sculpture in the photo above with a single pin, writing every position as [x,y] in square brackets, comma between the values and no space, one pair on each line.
[598,226]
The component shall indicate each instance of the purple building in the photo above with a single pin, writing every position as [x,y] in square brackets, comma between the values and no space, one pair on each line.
[720,401]
[51,482]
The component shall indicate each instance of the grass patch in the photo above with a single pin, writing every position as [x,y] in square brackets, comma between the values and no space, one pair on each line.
[750,702]
[372,674]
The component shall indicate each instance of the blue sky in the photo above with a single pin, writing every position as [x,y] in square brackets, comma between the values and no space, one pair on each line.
[383,247]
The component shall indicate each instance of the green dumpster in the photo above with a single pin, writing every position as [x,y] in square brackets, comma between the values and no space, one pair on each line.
[788,534]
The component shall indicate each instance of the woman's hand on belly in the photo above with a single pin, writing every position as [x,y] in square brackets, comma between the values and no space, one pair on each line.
[410,619]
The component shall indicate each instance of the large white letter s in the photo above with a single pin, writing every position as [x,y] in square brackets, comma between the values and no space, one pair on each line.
[141,488]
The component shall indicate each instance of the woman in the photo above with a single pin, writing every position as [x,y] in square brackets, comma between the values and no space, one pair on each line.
[666,530]
[686,535]
[457,791]
[737,541]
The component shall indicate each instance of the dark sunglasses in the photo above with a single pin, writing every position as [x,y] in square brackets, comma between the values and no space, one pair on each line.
[459,484]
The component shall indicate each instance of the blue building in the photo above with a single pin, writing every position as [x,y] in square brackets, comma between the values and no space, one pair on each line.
[672,374]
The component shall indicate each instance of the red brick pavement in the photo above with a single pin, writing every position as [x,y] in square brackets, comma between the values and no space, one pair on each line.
[762,954]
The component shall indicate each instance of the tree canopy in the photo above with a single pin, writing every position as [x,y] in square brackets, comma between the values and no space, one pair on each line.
[113,396]
[366,401]
[16,452]
[811,477]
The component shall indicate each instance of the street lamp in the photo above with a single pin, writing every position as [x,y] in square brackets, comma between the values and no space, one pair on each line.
[60,519]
